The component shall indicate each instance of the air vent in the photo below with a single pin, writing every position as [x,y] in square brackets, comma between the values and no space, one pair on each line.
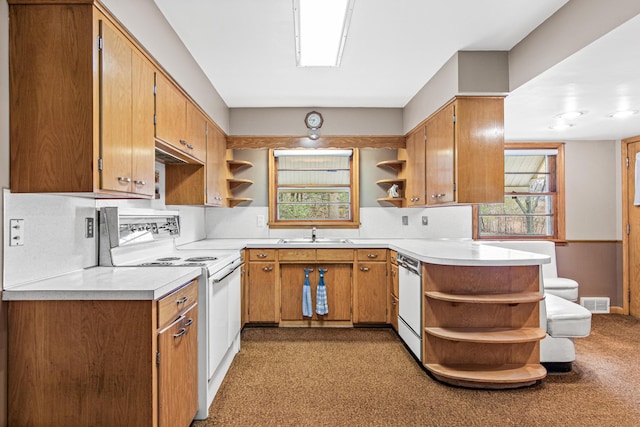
[163,157]
[595,304]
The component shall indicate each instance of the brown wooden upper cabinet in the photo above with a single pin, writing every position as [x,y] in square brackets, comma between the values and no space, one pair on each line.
[216,166]
[73,129]
[179,123]
[415,192]
[457,156]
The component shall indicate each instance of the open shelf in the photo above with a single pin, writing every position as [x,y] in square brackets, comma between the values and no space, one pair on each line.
[488,335]
[234,201]
[488,376]
[507,298]
[234,165]
[396,201]
[233,183]
[396,165]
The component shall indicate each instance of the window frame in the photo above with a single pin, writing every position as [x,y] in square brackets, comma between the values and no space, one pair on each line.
[354,222]
[558,198]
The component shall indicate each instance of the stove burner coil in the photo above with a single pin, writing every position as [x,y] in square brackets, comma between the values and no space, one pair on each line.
[169,258]
[201,258]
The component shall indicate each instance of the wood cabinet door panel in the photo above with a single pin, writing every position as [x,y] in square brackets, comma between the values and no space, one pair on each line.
[337,279]
[263,306]
[439,182]
[291,286]
[196,133]
[301,255]
[372,294]
[334,254]
[171,112]
[416,168]
[178,371]
[143,110]
[115,99]
[216,170]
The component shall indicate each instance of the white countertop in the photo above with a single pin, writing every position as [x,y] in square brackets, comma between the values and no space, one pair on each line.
[106,283]
[445,252]
[150,283]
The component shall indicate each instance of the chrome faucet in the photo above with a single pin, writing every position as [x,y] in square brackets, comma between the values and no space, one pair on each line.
[313,234]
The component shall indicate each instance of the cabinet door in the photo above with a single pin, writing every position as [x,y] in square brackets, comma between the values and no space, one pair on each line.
[178,371]
[171,113]
[291,282]
[263,305]
[143,152]
[393,313]
[372,293]
[337,279]
[115,99]
[216,170]
[196,136]
[415,168]
[440,157]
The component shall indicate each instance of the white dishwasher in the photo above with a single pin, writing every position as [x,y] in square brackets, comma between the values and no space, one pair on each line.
[410,301]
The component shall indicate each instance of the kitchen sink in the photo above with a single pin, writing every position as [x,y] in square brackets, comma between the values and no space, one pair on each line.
[318,240]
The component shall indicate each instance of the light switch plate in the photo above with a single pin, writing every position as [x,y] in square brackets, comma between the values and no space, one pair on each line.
[88,228]
[16,232]
[405,220]
[425,220]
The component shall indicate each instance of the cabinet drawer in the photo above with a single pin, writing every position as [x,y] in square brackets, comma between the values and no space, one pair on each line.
[372,254]
[262,254]
[334,255]
[171,306]
[393,256]
[297,254]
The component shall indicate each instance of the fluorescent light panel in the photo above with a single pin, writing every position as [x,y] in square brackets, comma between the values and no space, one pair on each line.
[321,28]
[312,152]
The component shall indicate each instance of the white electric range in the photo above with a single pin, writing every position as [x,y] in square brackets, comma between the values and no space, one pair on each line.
[146,237]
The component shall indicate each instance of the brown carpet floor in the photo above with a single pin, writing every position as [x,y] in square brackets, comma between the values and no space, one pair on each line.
[366,377]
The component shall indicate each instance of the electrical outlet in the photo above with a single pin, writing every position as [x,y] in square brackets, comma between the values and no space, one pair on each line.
[88,228]
[16,232]
[405,220]
[425,220]
[260,221]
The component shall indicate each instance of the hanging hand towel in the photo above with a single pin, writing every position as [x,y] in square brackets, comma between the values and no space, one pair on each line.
[321,296]
[307,305]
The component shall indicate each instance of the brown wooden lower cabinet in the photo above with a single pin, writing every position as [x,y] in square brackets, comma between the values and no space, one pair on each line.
[337,279]
[102,363]
[263,299]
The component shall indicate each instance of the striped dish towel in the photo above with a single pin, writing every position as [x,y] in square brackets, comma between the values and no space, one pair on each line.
[307,305]
[322,307]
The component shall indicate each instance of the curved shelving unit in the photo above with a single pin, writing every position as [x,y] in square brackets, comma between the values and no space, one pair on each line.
[397,166]
[396,201]
[232,183]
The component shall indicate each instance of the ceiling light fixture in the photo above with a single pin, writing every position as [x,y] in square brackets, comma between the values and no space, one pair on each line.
[321,28]
[561,126]
[623,113]
[570,115]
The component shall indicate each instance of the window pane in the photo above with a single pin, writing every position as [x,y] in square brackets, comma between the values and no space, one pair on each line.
[314,204]
[520,215]
[526,182]
[321,177]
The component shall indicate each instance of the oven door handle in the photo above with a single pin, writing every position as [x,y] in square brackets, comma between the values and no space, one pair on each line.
[231,270]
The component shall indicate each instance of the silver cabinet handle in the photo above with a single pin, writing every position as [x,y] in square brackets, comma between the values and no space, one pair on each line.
[124,179]
[262,255]
[364,268]
[437,196]
[183,142]
[181,333]
[372,255]
[139,183]
[189,322]
[182,300]
[268,268]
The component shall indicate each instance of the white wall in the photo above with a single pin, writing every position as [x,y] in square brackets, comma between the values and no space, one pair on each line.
[592,179]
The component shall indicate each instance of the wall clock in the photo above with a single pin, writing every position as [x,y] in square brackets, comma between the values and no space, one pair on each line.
[313,120]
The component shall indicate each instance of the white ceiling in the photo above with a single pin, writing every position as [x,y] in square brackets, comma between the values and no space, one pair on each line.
[247,49]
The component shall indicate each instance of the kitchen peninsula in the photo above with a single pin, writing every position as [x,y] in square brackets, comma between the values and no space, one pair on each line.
[480,306]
